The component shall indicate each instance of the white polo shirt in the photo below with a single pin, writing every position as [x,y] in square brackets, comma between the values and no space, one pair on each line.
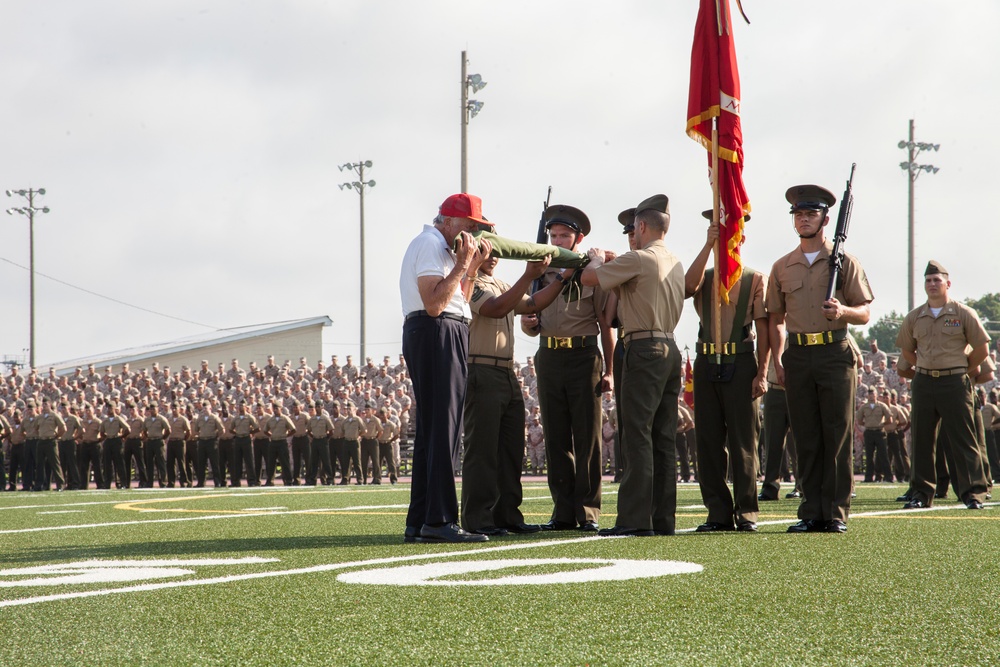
[428,255]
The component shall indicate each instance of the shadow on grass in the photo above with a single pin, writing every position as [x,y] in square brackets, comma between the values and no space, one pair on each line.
[237,547]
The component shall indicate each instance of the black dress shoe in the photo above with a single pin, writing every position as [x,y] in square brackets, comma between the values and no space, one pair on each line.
[522,528]
[764,496]
[746,527]
[492,531]
[622,531]
[941,495]
[905,498]
[972,505]
[557,525]
[589,526]
[448,532]
[835,526]
[807,526]
[662,531]
[410,534]
[793,494]
[713,527]
[915,504]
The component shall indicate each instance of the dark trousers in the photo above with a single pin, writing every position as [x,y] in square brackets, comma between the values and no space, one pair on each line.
[386,454]
[726,427]
[191,460]
[684,443]
[47,455]
[319,460]
[369,457]
[899,460]
[155,452]
[176,458]
[435,350]
[134,454]
[945,402]
[226,459]
[494,449]
[208,452]
[114,463]
[777,431]
[571,423]
[90,455]
[820,382]
[876,456]
[260,448]
[16,463]
[300,456]
[70,466]
[277,452]
[30,464]
[243,459]
[619,360]
[991,452]
[350,454]
[651,383]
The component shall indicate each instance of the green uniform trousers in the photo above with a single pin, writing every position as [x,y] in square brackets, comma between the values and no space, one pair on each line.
[945,403]
[651,383]
[777,432]
[820,382]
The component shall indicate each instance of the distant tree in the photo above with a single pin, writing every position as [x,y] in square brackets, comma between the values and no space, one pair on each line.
[883,332]
[988,307]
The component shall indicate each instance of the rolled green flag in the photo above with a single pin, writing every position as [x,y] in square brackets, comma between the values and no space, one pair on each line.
[505,248]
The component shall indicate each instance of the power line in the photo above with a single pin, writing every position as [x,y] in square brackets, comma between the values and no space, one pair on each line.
[108,298]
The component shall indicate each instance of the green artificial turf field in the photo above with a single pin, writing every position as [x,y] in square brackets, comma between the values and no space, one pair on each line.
[320,576]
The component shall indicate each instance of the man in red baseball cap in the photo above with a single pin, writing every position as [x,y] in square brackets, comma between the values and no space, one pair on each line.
[435,284]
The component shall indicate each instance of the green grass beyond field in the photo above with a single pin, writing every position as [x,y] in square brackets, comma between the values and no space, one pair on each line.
[321,577]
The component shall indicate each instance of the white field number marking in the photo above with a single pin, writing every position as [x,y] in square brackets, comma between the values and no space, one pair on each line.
[107,571]
[603,570]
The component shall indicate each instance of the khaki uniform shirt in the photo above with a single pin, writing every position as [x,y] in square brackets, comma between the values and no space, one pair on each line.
[301,422]
[797,290]
[577,317]
[337,431]
[389,432]
[320,426]
[136,427]
[941,342]
[991,417]
[353,428]
[755,308]
[157,428]
[90,430]
[29,425]
[208,426]
[114,427]
[490,336]
[50,426]
[372,428]
[73,429]
[279,427]
[874,415]
[243,426]
[650,287]
[180,428]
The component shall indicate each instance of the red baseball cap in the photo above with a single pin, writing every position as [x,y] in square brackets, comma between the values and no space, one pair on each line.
[464,205]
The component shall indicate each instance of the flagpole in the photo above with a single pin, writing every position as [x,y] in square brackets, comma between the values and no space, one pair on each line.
[716,301]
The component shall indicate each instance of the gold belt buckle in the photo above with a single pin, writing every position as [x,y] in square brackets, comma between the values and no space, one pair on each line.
[564,343]
[814,338]
[935,374]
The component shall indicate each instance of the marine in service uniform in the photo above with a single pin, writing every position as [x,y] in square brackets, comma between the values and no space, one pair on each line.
[369,444]
[350,453]
[727,385]
[243,427]
[156,429]
[572,375]
[388,436]
[944,341]
[68,445]
[278,429]
[818,370]
[179,434]
[50,428]
[320,429]
[134,448]
[650,287]
[89,451]
[114,429]
[300,443]
[207,430]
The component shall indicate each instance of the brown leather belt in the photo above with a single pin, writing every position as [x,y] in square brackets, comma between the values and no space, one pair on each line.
[942,372]
[484,360]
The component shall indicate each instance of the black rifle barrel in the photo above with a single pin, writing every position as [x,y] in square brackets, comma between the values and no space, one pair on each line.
[840,235]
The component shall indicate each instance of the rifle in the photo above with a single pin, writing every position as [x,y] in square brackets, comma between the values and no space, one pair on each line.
[843,221]
[542,236]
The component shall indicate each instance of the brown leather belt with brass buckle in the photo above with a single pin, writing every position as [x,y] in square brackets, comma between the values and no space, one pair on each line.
[942,372]
[484,360]
[568,342]
[821,338]
[727,349]
[646,335]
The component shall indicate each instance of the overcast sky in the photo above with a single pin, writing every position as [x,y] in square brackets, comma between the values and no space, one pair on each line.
[189,149]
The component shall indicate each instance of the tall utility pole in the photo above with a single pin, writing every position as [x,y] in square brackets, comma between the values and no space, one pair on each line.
[913,171]
[29,211]
[470,109]
[360,185]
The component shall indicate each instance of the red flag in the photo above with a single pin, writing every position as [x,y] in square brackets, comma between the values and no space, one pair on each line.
[715,93]
[689,383]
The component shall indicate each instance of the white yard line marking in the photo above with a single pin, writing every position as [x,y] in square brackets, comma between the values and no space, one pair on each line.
[64,512]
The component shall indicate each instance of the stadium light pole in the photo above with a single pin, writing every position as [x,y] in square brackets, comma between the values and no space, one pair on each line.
[913,171]
[29,212]
[360,185]
[470,109]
